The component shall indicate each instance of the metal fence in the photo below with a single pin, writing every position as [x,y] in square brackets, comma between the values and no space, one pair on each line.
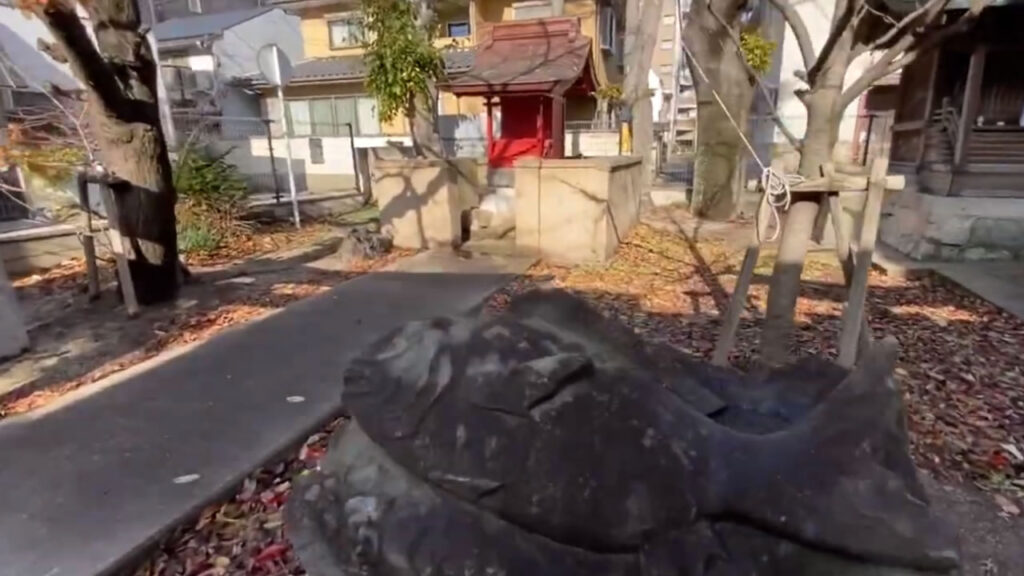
[251,144]
[871,138]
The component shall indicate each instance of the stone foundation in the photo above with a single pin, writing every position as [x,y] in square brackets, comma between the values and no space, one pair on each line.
[928,227]
[422,200]
[576,210]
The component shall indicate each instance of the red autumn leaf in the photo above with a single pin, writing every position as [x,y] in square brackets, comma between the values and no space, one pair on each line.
[271,553]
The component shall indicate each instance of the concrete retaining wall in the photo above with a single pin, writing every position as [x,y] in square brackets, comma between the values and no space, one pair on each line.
[574,211]
[928,227]
[422,201]
[322,164]
[591,143]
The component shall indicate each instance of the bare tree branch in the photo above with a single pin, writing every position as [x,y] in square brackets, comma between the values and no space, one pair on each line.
[77,122]
[841,24]
[62,20]
[930,10]
[799,28]
[790,137]
[906,50]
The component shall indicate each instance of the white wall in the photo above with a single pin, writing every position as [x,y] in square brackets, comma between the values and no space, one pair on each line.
[817,14]
[591,143]
[252,157]
[236,50]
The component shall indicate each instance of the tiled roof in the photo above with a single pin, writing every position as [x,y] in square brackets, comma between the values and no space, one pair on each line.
[527,53]
[202,25]
[353,67]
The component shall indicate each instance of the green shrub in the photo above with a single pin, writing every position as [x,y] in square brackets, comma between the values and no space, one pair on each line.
[198,237]
[757,50]
[211,200]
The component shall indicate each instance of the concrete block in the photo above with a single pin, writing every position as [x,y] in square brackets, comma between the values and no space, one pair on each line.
[997,232]
[977,253]
[924,226]
[576,210]
[949,229]
[421,200]
[669,197]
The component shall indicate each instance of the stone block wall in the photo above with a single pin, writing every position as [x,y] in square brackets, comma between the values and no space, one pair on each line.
[928,227]
[576,210]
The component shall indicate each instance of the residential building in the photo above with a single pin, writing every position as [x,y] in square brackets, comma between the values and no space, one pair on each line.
[679,110]
[203,57]
[327,92]
[167,9]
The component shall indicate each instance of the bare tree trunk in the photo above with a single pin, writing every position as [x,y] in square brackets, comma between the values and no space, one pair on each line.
[423,122]
[720,150]
[641,17]
[823,118]
[119,74]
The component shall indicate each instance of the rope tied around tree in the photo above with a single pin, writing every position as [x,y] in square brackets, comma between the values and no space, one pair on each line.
[775,185]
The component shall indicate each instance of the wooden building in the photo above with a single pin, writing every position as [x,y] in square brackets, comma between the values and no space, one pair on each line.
[960,114]
[959,137]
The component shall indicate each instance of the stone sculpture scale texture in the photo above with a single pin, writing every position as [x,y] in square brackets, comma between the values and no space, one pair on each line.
[551,440]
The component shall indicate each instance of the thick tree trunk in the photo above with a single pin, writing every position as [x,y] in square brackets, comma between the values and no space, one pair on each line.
[423,125]
[823,117]
[119,73]
[720,150]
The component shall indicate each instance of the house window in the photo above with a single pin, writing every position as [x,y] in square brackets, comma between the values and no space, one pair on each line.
[668,19]
[195,6]
[666,69]
[330,116]
[457,29]
[607,28]
[345,32]
[531,9]
[667,44]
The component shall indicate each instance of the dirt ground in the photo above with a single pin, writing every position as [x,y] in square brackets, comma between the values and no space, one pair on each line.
[76,342]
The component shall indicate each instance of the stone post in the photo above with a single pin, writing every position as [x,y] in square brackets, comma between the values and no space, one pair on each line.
[13,338]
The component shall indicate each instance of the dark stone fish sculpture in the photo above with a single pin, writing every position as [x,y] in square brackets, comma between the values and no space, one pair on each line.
[550,440]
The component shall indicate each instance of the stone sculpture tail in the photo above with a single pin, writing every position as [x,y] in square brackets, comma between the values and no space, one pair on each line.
[841,479]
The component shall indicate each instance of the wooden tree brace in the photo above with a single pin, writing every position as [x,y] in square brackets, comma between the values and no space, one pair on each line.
[856,333]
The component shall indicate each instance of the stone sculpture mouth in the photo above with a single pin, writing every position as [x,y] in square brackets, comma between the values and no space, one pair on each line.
[551,440]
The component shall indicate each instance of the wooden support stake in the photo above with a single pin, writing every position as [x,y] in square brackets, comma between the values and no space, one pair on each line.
[117,245]
[88,240]
[738,300]
[91,270]
[853,315]
[846,260]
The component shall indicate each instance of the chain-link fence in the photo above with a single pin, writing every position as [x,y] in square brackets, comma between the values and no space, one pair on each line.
[250,144]
[864,137]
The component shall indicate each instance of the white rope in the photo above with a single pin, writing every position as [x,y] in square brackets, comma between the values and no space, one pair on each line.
[776,186]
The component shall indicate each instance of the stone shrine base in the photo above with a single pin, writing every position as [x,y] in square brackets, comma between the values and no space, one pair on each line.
[930,227]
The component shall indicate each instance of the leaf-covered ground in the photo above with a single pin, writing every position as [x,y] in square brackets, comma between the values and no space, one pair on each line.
[960,369]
